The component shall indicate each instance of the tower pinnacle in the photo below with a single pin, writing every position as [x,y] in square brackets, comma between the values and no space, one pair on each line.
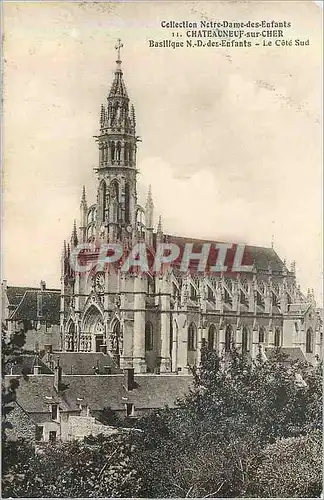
[118,46]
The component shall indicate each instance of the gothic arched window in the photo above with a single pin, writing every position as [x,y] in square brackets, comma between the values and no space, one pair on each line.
[193,292]
[211,337]
[192,336]
[112,148]
[228,338]
[261,335]
[245,340]
[127,203]
[309,341]
[277,337]
[118,151]
[126,153]
[148,337]
[102,199]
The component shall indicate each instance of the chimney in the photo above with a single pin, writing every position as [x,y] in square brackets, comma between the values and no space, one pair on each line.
[36,366]
[36,369]
[48,348]
[57,376]
[42,285]
[129,379]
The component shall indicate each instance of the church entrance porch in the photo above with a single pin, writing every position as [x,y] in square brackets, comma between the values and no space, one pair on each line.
[93,338]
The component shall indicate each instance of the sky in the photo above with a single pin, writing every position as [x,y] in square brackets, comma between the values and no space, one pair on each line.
[231,138]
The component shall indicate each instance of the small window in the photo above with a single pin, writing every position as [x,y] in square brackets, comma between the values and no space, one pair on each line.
[192,337]
[228,338]
[52,436]
[54,412]
[130,409]
[39,433]
[261,335]
[309,341]
[245,340]
[148,337]
[277,337]
[211,337]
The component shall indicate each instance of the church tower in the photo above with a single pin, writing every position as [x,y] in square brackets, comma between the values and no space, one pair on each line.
[117,197]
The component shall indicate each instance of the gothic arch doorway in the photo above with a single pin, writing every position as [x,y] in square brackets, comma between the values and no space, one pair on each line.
[93,331]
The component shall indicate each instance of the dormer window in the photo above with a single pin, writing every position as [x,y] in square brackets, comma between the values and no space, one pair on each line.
[130,409]
[54,411]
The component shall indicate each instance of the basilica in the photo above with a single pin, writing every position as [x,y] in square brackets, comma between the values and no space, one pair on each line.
[159,323]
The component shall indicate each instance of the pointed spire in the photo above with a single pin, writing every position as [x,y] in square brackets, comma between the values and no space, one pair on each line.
[133,116]
[118,87]
[149,200]
[64,250]
[159,228]
[102,115]
[74,235]
[272,241]
[83,196]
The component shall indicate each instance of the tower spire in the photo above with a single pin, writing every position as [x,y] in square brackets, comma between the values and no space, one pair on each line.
[74,236]
[149,199]
[83,196]
[118,88]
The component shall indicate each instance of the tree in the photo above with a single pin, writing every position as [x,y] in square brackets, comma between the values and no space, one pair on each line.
[11,351]
[291,467]
[212,444]
[95,467]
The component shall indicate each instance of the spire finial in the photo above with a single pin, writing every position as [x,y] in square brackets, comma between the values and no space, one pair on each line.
[159,228]
[272,241]
[74,236]
[83,196]
[118,46]
[149,199]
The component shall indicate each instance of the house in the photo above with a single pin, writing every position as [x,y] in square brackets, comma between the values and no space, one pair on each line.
[65,407]
[35,309]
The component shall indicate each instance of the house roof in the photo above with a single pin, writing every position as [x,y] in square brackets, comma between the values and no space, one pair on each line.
[261,257]
[83,363]
[25,365]
[36,392]
[23,302]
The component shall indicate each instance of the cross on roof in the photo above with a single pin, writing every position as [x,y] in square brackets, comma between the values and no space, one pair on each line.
[118,46]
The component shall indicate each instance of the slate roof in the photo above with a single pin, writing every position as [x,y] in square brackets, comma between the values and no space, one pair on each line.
[25,365]
[293,353]
[83,363]
[23,302]
[262,257]
[99,391]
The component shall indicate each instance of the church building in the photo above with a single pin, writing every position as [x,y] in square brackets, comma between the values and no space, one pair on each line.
[159,323]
